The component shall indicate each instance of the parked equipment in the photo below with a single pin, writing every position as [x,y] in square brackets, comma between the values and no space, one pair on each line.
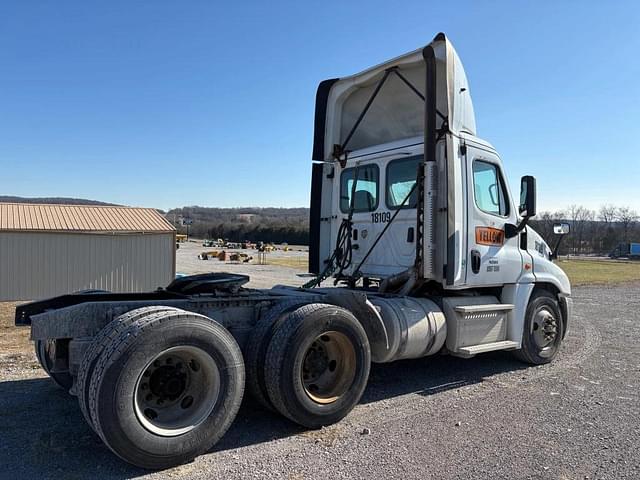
[412,219]
[208,254]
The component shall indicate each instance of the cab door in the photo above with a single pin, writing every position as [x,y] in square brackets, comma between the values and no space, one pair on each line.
[364,199]
[384,186]
[492,259]
[397,247]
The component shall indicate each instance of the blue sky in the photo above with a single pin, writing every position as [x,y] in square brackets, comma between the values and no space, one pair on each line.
[165,104]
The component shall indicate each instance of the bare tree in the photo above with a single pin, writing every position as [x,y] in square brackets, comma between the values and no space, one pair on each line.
[584,227]
[607,215]
[627,217]
[581,218]
[591,231]
[573,212]
[544,223]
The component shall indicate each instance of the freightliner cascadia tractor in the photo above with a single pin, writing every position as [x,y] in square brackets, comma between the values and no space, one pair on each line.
[418,248]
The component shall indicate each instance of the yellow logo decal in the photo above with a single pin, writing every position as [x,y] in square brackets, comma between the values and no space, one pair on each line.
[489,236]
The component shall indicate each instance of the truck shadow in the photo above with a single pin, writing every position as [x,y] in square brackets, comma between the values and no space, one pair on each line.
[44,436]
[427,376]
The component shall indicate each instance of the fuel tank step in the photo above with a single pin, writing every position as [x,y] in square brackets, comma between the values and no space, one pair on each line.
[472,350]
[491,307]
[476,324]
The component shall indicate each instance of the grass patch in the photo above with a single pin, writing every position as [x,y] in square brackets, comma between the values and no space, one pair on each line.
[585,272]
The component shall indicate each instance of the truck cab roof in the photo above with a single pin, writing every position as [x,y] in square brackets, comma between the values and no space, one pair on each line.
[398,114]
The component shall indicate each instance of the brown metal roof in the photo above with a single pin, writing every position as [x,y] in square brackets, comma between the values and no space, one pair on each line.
[80,218]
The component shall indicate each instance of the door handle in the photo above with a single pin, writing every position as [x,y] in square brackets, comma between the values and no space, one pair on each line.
[410,235]
[475,261]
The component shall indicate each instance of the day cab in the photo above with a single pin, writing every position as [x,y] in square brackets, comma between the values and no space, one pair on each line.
[430,211]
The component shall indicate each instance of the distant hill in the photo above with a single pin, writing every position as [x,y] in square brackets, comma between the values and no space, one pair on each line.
[63,200]
[248,223]
[246,215]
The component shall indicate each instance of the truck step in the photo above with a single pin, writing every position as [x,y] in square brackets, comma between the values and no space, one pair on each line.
[491,307]
[472,350]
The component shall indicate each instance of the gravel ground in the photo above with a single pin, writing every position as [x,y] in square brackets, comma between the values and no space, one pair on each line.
[488,417]
[262,276]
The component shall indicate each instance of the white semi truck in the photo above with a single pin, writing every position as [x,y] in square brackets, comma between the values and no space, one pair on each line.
[418,246]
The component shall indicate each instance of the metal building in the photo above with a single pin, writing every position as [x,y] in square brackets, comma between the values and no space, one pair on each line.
[48,250]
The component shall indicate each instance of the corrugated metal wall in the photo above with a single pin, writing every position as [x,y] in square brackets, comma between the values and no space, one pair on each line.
[40,265]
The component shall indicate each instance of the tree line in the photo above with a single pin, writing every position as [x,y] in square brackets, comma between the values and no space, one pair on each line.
[592,231]
[270,225]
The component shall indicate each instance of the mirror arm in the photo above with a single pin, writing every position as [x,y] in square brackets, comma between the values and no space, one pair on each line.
[554,254]
[511,230]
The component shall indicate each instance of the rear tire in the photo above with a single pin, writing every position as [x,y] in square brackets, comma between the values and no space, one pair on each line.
[543,327]
[45,353]
[256,347]
[166,389]
[105,336]
[317,365]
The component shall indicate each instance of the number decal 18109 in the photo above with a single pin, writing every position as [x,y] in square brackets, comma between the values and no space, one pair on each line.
[381,217]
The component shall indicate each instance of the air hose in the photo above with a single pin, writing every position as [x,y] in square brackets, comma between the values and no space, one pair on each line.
[343,252]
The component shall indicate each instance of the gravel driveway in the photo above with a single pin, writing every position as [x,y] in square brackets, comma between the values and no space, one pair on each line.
[488,417]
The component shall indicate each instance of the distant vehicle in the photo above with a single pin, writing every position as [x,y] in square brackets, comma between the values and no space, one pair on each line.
[628,250]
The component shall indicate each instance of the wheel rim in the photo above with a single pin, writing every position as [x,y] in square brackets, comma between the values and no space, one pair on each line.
[544,328]
[328,367]
[177,391]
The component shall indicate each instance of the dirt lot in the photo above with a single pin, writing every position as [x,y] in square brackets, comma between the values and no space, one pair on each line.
[285,267]
[442,417]
[281,267]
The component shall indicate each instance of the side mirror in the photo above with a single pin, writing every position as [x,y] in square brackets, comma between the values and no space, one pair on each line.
[527,196]
[527,207]
[561,228]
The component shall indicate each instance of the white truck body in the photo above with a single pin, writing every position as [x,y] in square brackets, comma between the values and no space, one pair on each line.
[400,121]
[409,209]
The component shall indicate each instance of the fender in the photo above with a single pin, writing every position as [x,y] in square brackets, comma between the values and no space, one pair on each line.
[518,295]
[367,314]
[562,284]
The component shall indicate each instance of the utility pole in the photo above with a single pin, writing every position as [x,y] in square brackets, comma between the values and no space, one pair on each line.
[186,221]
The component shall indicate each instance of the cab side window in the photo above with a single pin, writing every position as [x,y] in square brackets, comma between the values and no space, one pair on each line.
[366,189]
[401,177]
[489,189]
